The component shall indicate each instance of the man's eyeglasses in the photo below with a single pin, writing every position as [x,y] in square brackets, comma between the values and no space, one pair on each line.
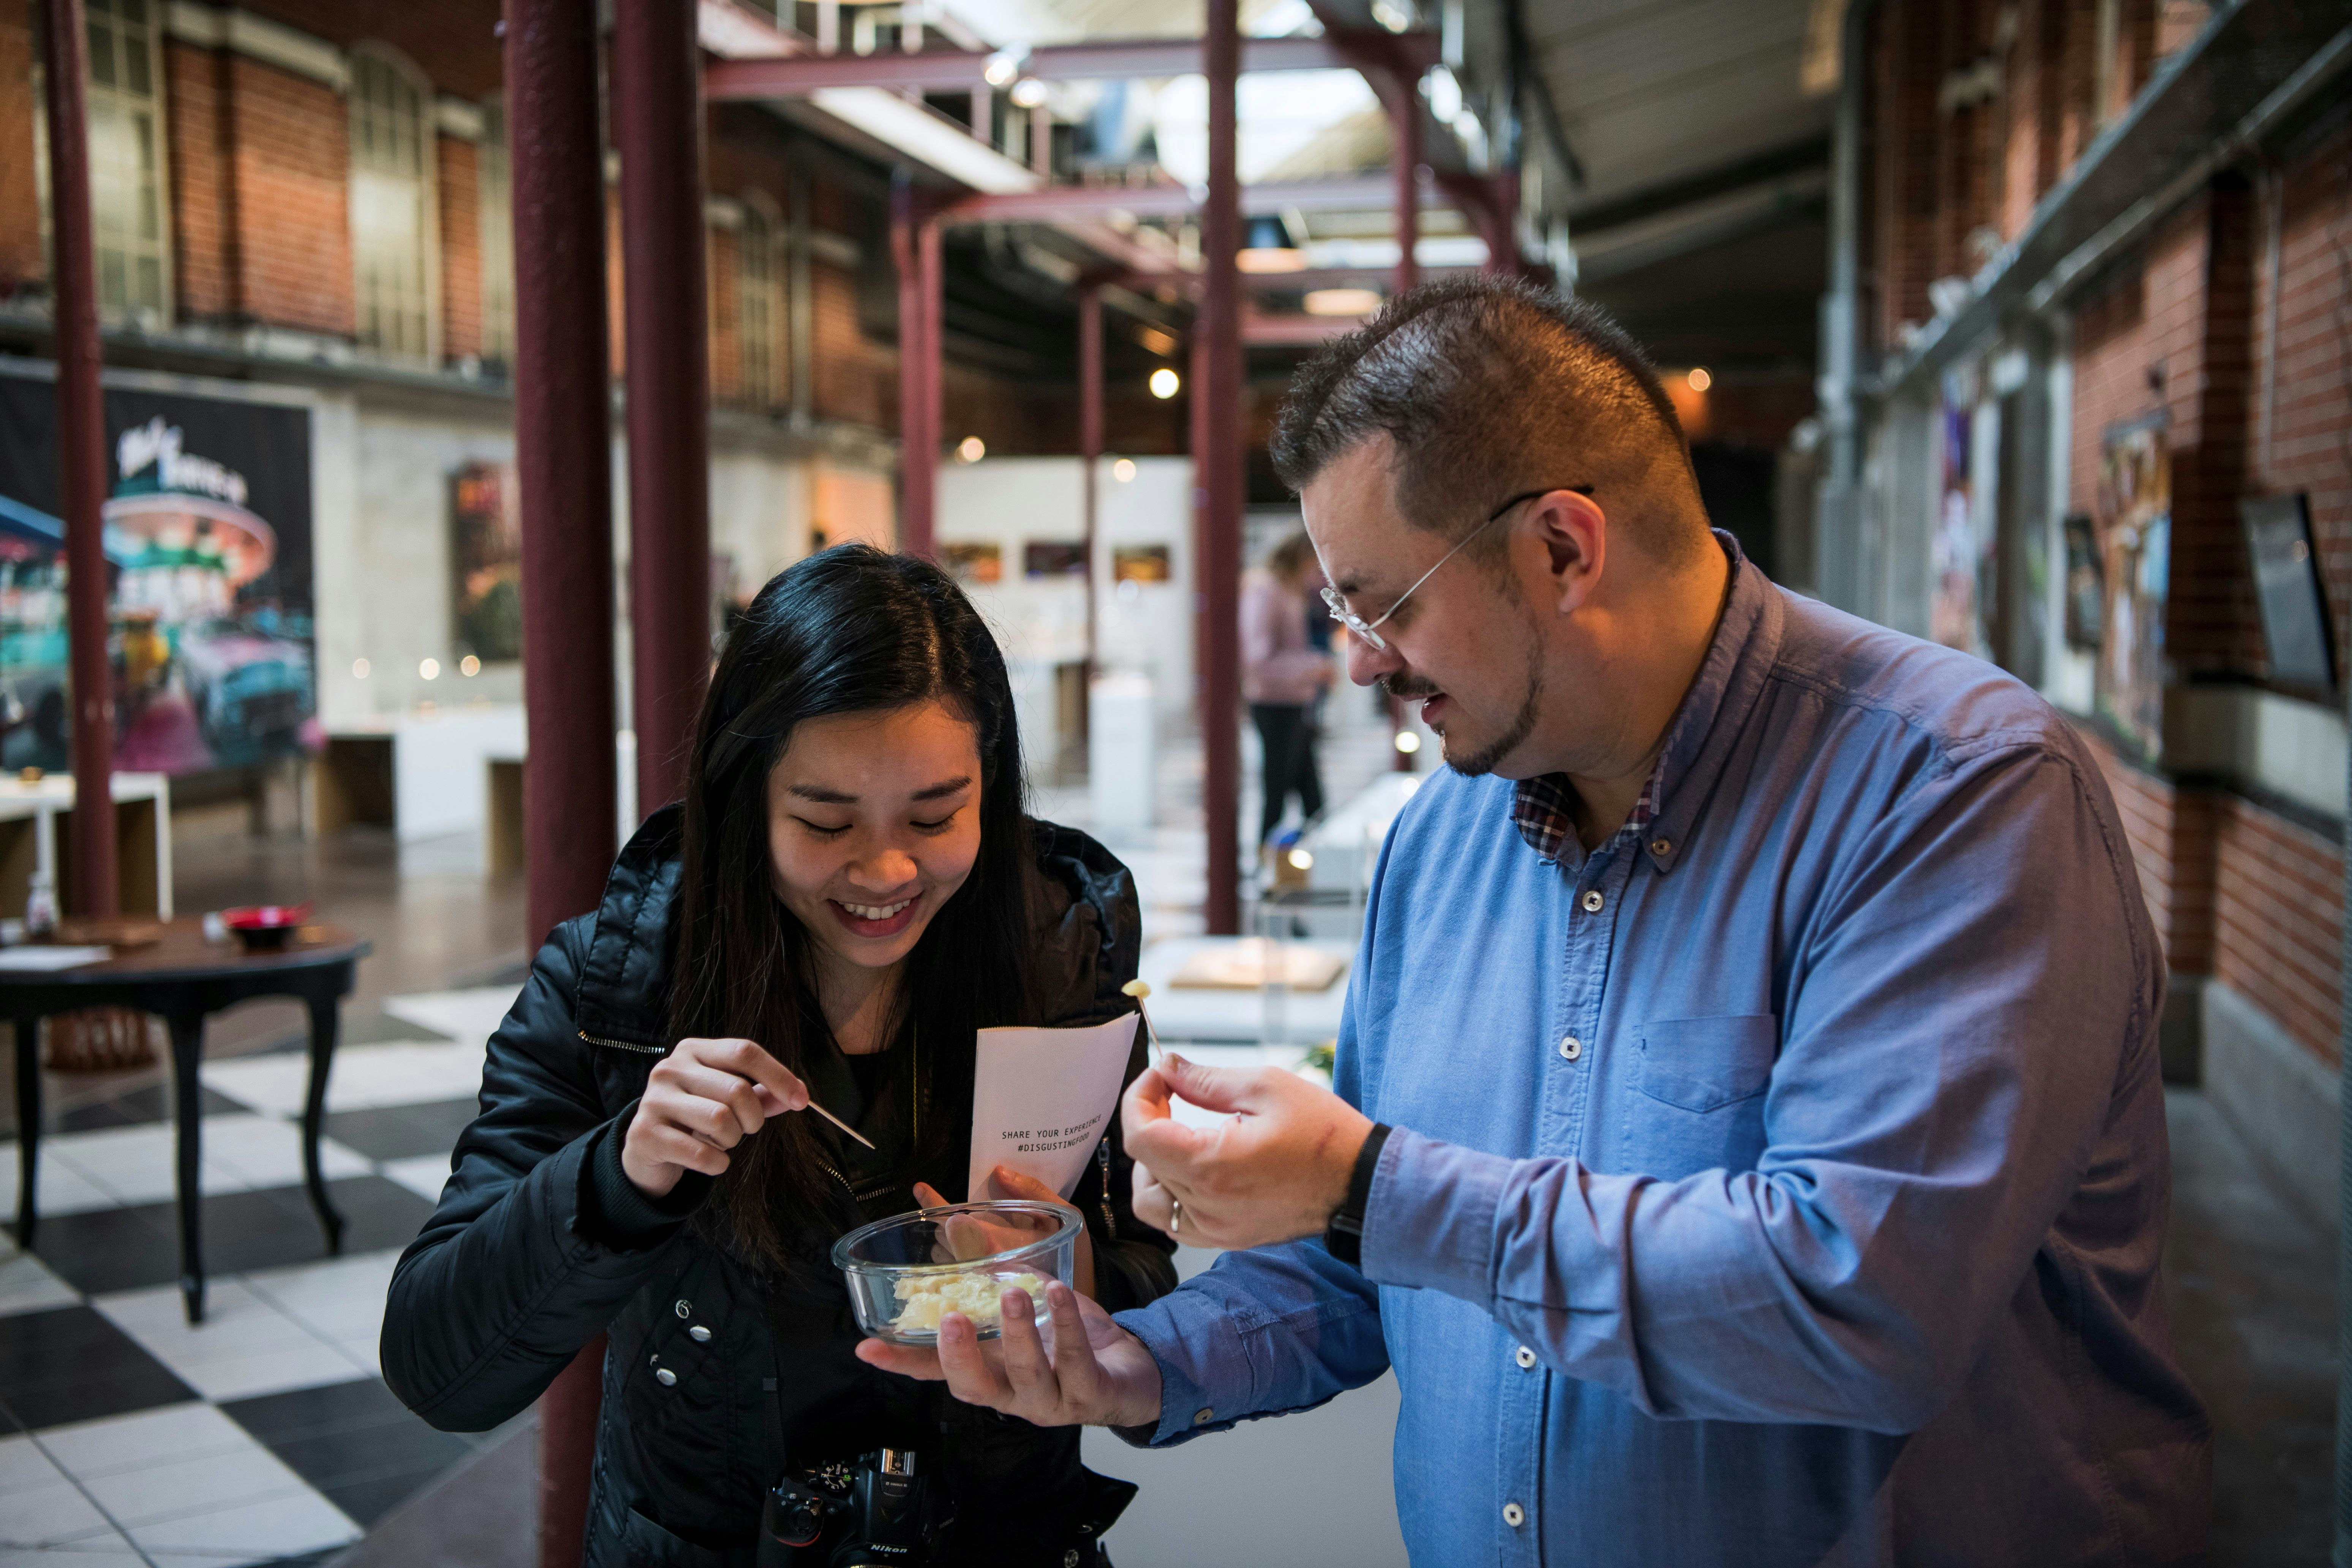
[1368,630]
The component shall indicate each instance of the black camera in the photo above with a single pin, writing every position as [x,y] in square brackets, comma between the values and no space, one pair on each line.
[875,1513]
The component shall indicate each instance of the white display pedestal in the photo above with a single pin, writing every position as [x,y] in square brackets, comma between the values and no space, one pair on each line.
[1122,759]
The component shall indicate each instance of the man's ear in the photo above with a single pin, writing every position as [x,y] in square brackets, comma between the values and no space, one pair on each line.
[1575,536]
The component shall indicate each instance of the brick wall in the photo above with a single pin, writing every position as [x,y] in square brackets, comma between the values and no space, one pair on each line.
[204,182]
[726,339]
[2169,336]
[2278,914]
[461,248]
[2308,374]
[20,198]
[2172,835]
[1908,61]
[289,149]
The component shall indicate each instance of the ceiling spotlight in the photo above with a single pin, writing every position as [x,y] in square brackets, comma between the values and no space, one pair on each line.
[1389,14]
[1002,66]
[970,449]
[1123,471]
[1028,92]
[469,666]
[429,669]
[1699,380]
[1300,860]
[1342,301]
[1407,742]
[1165,384]
[359,669]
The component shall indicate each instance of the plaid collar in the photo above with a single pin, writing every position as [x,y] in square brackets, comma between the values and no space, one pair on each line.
[1544,810]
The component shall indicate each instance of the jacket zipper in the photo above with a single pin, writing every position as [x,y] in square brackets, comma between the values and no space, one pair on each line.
[623,1045]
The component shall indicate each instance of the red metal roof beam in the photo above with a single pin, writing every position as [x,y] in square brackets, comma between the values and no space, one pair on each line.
[959,71]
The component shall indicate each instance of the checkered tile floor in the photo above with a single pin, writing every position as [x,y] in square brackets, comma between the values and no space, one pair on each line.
[264,1434]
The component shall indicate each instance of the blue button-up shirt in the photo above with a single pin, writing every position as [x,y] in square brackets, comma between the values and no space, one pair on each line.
[1784,1182]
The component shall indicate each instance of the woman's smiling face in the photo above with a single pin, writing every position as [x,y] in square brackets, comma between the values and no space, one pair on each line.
[873,824]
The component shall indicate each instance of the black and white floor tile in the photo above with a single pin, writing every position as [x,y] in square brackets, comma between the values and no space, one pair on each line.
[263,1435]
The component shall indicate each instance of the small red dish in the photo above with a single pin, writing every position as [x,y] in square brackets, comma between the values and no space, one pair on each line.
[265,928]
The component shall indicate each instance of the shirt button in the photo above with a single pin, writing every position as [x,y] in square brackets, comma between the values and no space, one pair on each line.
[1525,1357]
[1661,845]
[1204,1416]
[666,1378]
[699,1334]
[1514,1515]
[1571,1048]
[1592,902]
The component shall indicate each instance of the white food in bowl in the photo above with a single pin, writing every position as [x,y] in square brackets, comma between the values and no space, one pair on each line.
[924,1299]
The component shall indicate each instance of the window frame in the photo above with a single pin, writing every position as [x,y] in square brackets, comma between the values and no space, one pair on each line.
[122,311]
[764,216]
[364,56]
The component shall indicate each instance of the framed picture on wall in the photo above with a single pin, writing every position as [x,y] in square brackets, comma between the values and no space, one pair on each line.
[974,561]
[1139,563]
[2085,588]
[1055,558]
[2295,630]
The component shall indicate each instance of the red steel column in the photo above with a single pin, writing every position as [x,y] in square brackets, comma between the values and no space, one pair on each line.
[1404,124]
[656,119]
[916,451]
[1090,442]
[1220,480]
[81,461]
[930,272]
[563,438]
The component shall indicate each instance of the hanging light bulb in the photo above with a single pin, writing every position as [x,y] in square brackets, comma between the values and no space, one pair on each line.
[1165,384]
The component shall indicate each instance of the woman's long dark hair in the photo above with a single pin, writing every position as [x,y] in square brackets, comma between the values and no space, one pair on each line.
[848,630]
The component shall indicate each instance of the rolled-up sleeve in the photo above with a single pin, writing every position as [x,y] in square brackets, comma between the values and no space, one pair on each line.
[1949,1055]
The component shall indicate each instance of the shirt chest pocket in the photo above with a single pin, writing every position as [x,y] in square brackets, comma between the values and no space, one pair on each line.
[1700,1085]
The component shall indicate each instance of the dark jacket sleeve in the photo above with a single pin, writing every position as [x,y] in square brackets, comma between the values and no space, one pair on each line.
[508,1280]
[1098,937]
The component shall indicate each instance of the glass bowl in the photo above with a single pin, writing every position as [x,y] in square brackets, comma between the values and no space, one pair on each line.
[906,1271]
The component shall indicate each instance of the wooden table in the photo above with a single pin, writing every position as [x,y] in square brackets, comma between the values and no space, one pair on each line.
[184,979]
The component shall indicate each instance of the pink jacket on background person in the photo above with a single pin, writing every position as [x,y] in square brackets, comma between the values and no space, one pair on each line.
[1278,666]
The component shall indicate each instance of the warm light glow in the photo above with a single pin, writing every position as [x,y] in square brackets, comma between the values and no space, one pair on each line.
[429,669]
[1123,471]
[1699,380]
[1158,341]
[1300,860]
[1165,382]
[1342,301]
[359,669]
[1028,92]
[1002,70]
[1270,259]
[469,664]
[970,449]
[1407,741]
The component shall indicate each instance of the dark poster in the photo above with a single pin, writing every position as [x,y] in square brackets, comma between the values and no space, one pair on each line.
[207,531]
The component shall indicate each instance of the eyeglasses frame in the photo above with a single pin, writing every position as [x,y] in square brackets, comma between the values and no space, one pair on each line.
[1370,630]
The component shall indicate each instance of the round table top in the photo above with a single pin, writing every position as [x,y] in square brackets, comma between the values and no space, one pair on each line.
[183,954]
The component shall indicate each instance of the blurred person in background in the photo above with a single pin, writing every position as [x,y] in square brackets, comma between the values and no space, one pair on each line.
[1282,675]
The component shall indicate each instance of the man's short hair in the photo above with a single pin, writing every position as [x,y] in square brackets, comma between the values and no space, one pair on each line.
[1487,386]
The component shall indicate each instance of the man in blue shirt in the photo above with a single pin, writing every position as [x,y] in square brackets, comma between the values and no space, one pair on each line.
[1748,1145]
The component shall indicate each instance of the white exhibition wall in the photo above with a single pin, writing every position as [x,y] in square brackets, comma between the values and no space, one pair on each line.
[1145,627]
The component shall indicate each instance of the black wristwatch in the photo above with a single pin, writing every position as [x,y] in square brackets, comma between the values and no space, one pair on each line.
[1344,1235]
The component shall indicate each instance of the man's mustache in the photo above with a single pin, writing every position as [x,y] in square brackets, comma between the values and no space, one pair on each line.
[1408,688]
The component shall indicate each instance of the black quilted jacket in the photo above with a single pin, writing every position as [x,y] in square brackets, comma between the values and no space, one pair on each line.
[524,1262]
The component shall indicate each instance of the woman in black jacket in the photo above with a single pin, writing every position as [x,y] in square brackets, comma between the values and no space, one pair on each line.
[852,884]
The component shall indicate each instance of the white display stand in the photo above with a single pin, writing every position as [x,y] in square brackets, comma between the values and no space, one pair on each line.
[1189,1015]
[143,838]
[1122,761]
